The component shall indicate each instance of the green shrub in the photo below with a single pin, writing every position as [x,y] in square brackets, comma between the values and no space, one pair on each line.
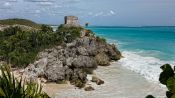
[167,77]
[149,96]
[69,34]
[100,39]
[10,31]
[11,87]
[17,21]
[21,47]
[46,28]
[89,33]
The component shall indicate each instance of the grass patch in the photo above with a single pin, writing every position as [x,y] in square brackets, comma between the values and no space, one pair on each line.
[20,22]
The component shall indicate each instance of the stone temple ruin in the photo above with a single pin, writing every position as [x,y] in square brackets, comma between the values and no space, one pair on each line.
[71,21]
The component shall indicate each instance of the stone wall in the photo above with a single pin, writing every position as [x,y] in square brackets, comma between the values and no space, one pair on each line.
[71,21]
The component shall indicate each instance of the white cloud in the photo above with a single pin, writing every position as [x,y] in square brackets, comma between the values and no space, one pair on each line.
[112,12]
[103,13]
[99,14]
[7,4]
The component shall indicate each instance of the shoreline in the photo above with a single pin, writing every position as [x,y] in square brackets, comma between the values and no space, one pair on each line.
[119,82]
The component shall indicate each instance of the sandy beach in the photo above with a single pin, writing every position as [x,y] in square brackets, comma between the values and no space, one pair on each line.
[119,83]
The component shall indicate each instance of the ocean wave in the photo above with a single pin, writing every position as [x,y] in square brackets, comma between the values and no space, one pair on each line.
[149,67]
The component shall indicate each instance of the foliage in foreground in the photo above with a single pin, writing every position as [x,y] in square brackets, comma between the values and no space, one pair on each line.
[167,78]
[10,87]
[149,96]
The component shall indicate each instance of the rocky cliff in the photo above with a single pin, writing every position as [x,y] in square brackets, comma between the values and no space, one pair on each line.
[73,61]
[74,51]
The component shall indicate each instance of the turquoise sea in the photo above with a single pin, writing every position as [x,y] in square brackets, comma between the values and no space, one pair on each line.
[144,49]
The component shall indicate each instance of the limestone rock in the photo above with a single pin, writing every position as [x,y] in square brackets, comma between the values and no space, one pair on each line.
[78,78]
[72,61]
[113,52]
[36,70]
[89,88]
[102,59]
[84,62]
[55,72]
[97,80]
[43,80]
[82,51]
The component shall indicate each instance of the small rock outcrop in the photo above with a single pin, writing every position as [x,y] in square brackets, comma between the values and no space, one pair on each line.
[97,80]
[73,61]
[89,88]
[102,59]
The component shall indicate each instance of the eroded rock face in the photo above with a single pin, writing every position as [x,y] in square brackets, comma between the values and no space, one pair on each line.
[55,72]
[84,62]
[72,61]
[102,59]
[33,71]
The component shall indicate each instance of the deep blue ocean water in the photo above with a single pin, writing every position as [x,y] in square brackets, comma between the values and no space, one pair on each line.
[144,49]
[158,42]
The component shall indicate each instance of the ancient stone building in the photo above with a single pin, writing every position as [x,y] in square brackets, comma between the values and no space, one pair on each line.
[71,21]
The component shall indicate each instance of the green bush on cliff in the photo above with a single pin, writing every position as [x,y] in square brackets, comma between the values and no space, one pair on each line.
[20,22]
[68,34]
[167,77]
[46,28]
[21,47]
[11,87]
[10,31]
[100,39]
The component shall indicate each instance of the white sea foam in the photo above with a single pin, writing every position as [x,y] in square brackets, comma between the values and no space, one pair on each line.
[149,67]
[116,42]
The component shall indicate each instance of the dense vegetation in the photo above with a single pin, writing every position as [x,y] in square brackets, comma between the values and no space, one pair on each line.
[167,78]
[20,48]
[11,87]
[19,22]
[69,33]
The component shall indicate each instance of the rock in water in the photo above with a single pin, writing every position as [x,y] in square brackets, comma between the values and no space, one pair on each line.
[113,52]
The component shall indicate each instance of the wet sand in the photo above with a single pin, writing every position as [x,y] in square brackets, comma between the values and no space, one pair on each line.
[119,83]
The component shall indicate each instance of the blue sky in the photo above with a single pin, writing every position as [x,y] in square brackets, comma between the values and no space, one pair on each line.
[96,12]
